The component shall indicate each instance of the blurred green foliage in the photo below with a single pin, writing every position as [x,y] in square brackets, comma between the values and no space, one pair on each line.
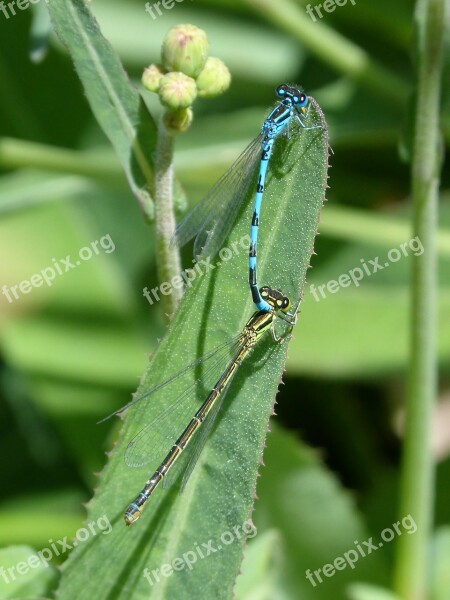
[71,353]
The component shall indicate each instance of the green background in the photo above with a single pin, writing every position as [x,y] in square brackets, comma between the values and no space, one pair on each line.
[72,353]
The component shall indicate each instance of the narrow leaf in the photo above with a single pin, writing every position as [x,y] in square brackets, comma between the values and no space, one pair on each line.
[218,499]
[116,104]
[261,568]
[24,573]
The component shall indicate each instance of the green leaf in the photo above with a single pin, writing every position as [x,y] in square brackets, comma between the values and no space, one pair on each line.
[261,567]
[70,350]
[220,494]
[317,519]
[37,518]
[23,574]
[351,224]
[358,321]
[56,231]
[116,104]
[362,591]
[21,190]
[98,163]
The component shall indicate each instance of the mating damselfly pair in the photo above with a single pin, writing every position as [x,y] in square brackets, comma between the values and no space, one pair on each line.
[158,442]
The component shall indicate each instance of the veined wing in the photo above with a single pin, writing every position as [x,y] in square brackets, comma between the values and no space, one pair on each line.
[152,443]
[189,458]
[226,345]
[186,463]
[211,220]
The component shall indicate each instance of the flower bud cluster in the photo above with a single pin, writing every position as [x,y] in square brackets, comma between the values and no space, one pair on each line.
[185,73]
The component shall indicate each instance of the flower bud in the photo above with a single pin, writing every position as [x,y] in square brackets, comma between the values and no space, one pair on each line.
[151,78]
[214,79]
[178,121]
[185,49]
[177,90]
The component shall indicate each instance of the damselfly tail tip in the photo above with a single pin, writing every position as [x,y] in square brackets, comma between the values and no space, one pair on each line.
[131,515]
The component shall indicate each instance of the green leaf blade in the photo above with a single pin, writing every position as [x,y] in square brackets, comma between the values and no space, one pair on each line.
[218,499]
[24,573]
[117,106]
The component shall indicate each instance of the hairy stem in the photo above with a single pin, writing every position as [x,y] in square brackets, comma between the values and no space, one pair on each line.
[167,255]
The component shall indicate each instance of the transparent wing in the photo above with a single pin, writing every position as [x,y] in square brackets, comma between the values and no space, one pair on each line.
[152,443]
[210,221]
[203,436]
[227,345]
[186,463]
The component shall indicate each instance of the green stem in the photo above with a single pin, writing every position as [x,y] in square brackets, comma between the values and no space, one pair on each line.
[167,255]
[332,48]
[417,483]
[19,154]
[350,224]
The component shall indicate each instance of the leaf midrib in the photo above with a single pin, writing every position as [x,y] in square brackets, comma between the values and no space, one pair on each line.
[115,99]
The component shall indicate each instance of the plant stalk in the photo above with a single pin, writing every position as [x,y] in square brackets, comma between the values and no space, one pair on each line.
[417,478]
[167,255]
[15,153]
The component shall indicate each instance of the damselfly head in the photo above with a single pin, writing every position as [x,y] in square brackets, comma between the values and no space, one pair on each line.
[296,96]
[275,298]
